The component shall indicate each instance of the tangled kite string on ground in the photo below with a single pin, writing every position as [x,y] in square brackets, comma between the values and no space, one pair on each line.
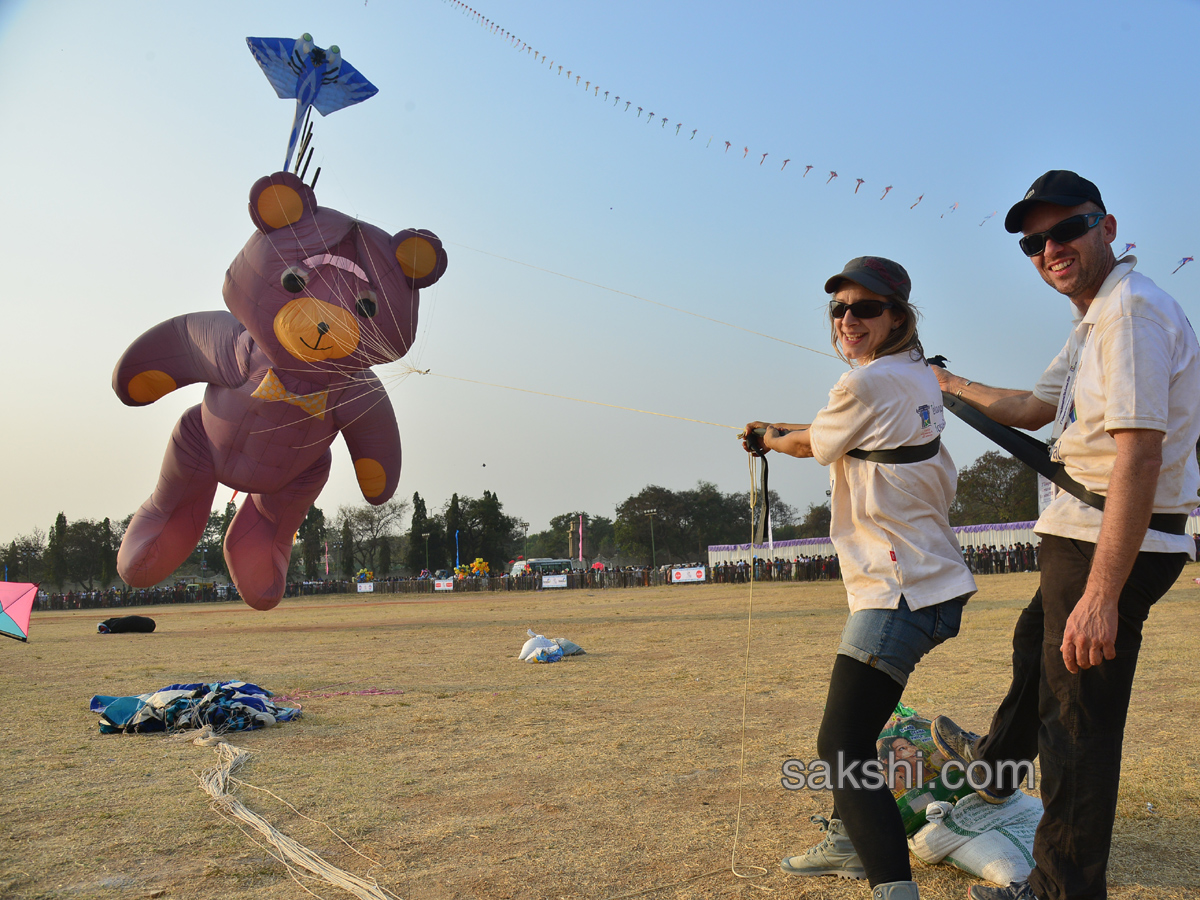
[219,784]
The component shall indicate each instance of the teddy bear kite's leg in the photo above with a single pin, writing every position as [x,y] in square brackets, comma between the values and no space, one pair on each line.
[166,528]
[258,546]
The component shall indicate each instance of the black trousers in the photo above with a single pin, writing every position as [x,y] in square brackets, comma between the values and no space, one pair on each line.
[860,701]
[1074,724]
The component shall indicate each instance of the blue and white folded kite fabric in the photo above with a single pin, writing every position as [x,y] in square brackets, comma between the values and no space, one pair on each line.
[225,705]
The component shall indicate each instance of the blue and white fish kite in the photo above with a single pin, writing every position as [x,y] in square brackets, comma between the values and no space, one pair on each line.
[314,77]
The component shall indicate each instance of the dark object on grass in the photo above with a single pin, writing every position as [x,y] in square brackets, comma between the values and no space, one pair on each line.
[126,625]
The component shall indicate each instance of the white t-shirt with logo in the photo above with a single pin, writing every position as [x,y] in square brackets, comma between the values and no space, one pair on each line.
[890,520]
[1132,361]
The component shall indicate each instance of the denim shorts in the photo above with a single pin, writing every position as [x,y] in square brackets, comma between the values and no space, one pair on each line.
[894,640]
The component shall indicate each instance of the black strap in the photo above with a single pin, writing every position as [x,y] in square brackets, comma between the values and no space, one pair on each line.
[912,454]
[1169,523]
[1036,455]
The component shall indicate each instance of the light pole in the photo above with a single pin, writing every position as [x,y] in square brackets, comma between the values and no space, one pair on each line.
[524,526]
[426,536]
[653,554]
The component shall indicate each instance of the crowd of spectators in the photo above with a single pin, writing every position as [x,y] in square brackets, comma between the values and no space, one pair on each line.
[993,560]
[985,560]
[127,596]
[799,568]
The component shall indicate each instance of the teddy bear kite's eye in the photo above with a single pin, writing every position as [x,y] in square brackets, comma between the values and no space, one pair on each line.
[294,279]
[366,306]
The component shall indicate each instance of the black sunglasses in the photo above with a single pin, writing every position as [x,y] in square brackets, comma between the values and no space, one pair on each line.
[863,309]
[1065,231]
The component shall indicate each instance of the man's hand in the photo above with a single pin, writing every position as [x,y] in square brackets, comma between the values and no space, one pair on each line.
[948,381]
[940,372]
[1091,633]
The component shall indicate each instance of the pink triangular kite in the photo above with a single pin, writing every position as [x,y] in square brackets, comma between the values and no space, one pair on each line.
[16,602]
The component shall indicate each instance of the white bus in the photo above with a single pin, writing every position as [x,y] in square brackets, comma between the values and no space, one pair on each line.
[540,566]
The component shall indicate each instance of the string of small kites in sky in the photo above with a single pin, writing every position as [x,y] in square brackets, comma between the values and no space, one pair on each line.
[594,89]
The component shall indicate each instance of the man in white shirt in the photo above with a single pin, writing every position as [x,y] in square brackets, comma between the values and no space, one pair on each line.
[1124,397]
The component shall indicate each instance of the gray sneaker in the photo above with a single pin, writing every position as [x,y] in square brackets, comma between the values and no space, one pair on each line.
[896,890]
[1018,890]
[835,855]
[959,745]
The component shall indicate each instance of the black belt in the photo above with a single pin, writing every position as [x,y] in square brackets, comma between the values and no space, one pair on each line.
[900,454]
[1036,455]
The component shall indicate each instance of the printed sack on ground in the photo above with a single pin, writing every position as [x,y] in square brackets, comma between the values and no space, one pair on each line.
[991,841]
[535,643]
[913,766]
[542,649]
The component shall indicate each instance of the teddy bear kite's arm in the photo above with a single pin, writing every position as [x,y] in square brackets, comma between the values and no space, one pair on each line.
[373,439]
[196,347]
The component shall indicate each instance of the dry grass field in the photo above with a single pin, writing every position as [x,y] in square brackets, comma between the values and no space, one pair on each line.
[609,775]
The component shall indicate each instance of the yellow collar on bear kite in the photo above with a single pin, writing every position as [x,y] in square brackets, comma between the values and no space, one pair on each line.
[272,389]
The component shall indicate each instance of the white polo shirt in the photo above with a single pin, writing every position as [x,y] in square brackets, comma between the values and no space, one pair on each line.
[890,521]
[1133,362]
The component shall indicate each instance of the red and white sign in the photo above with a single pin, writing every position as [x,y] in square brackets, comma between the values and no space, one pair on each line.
[443,584]
[679,576]
[366,587]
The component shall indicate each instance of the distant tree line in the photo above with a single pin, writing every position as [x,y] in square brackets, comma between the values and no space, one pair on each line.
[656,524]
[84,552]
[995,488]
[661,525]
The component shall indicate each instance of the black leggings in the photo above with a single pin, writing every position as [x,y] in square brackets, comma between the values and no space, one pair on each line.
[861,700]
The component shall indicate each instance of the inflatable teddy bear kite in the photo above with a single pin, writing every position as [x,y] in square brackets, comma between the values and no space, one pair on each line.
[315,298]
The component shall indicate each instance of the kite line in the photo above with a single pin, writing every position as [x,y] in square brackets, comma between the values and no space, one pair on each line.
[593,88]
[759,871]
[414,371]
[679,309]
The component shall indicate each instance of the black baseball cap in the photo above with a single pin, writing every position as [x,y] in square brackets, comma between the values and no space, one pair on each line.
[1058,186]
[883,276]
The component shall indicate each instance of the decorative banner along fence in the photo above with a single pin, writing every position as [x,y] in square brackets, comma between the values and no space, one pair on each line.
[664,122]
[789,549]
[1001,534]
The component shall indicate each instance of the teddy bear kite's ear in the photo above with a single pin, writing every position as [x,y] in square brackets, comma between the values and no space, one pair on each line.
[421,257]
[279,200]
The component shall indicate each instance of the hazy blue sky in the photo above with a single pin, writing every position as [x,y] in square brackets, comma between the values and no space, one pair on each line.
[133,132]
